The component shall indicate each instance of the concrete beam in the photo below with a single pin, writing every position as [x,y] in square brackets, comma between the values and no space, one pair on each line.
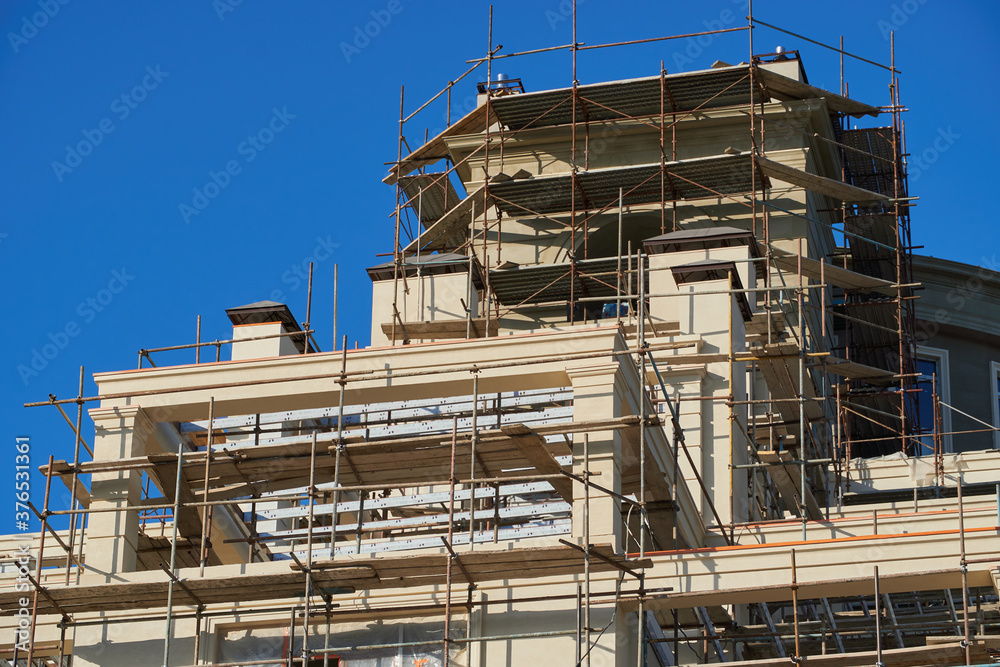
[527,361]
[843,566]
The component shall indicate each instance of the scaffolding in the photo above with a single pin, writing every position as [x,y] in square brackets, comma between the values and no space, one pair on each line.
[451,475]
[861,294]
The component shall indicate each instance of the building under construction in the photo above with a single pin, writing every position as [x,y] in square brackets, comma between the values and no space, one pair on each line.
[645,387]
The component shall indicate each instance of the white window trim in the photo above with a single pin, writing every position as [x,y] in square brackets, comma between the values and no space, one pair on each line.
[995,399]
[940,356]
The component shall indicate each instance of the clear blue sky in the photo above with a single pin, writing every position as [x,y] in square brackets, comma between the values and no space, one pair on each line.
[101,258]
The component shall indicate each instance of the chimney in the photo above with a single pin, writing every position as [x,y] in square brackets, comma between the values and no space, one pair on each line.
[254,321]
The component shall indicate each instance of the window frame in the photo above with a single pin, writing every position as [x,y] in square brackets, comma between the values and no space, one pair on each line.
[995,399]
[940,357]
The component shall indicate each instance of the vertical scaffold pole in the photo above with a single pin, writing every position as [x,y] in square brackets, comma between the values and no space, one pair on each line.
[618,255]
[904,368]
[420,274]
[472,460]
[753,126]
[290,654]
[842,65]
[311,499]
[825,375]
[468,284]
[641,341]
[586,545]
[326,635]
[967,637]
[336,289]
[486,174]
[878,623]
[207,510]
[573,182]
[803,505]
[452,479]
[173,555]
[730,380]
[76,480]
[795,608]
[396,259]
[309,302]
[641,652]
[579,625]
[663,155]
[38,563]
[340,447]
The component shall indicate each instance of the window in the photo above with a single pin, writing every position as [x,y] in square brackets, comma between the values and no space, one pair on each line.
[932,364]
[925,403]
[995,393]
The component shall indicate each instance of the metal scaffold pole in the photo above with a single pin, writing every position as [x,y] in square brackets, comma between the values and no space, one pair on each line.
[342,381]
[206,517]
[168,633]
[641,349]
[967,632]
[307,594]
[448,542]
[74,502]
[586,555]
[38,564]
[473,441]
[397,260]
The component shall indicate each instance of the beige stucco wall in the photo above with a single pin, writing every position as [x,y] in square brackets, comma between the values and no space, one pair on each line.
[420,299]
[262,349]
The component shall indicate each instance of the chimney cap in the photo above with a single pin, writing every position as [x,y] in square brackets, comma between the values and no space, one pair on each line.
[263,311]
[701,238]
[266,311]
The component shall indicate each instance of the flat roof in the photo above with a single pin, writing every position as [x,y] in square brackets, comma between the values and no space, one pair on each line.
[613,100]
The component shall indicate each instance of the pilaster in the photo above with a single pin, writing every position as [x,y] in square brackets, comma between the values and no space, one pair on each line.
[113,536]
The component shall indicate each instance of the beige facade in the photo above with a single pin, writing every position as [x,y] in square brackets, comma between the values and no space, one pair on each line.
[644,394]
